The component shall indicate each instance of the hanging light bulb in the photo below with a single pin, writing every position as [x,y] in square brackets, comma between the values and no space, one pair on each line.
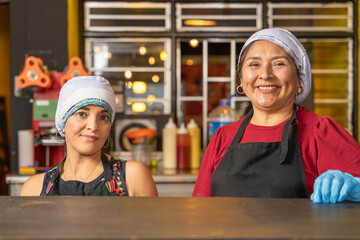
[194,43]
[139,87]
[142,50]
[189,62]
[151,60]
[155,78]
[163,55]
[128,74]
[138,107]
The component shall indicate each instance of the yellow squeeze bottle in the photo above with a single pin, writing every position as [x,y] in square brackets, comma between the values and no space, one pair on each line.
[194,132]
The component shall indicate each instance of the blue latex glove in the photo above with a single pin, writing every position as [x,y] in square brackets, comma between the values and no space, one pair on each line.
[336,186]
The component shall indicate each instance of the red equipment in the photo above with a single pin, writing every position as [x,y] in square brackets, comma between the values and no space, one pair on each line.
[48,145]
[75,69]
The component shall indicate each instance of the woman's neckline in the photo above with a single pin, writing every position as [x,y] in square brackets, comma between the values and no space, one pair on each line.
[95,180]
[279,123]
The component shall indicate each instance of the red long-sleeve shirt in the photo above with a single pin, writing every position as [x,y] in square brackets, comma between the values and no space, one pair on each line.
[324,145]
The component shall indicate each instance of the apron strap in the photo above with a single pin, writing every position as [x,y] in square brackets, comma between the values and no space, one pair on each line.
[242,127]
[107,168]
[54,177]
[53,185]
[285,136]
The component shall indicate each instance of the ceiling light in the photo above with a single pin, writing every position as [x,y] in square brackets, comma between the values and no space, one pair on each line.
[155,78]
[194,43]
[139,87]
[163,56]
[128,74]
[138,107]
[151,60]
[142,50]
[198,22]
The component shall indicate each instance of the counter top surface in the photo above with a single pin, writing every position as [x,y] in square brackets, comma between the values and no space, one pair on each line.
[175,218]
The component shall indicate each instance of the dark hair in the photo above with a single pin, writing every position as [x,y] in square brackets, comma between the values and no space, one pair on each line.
[241,62]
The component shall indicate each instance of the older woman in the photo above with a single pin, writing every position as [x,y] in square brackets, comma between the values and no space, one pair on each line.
[84,116]
[279,149]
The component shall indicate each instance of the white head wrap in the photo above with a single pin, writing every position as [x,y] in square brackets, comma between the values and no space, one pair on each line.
[82,91]
[293,47]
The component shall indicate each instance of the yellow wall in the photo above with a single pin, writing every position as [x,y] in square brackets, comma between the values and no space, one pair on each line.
[5,82]
[73,29]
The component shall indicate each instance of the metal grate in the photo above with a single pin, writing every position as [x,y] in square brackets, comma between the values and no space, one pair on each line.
[224,17]
[127,16]
[113,57]
[311,16]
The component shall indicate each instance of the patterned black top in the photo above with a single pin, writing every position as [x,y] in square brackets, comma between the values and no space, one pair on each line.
[110,183]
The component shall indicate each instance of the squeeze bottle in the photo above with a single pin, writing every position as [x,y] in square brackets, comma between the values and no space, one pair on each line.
[195,142]
[183,148]
[220,116]
[169,144]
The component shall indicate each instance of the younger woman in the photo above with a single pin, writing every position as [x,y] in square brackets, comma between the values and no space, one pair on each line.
[84,115]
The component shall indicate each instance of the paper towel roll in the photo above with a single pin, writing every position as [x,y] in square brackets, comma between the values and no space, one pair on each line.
[26,148]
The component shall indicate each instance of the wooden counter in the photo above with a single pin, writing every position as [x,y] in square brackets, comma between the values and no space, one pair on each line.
[175,218]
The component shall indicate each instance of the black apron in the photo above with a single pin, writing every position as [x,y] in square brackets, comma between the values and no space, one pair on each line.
[262,169]
[110,183]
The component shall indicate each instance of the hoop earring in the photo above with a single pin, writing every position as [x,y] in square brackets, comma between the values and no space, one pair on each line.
[239,91]
[301,90]
[107,143]
[59,139]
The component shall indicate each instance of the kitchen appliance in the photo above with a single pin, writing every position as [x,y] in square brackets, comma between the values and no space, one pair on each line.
[141,141]
[48,150]
[45,87]
[123,126]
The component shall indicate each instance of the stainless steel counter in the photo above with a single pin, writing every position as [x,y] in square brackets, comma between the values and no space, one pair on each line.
[175,218]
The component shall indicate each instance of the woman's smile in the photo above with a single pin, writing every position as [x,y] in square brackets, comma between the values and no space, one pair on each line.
[89,137]
[267,89]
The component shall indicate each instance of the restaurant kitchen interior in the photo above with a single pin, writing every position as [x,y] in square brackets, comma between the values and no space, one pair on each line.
[164,59]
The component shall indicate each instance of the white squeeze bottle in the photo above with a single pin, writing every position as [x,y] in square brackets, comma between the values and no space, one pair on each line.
[195,140]
[169,144]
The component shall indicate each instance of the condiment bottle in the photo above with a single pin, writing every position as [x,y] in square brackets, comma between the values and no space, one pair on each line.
[183,148]
[169,144]
[195,140]
[220,116]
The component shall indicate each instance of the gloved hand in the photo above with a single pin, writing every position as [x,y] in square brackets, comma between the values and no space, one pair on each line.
[335,186]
